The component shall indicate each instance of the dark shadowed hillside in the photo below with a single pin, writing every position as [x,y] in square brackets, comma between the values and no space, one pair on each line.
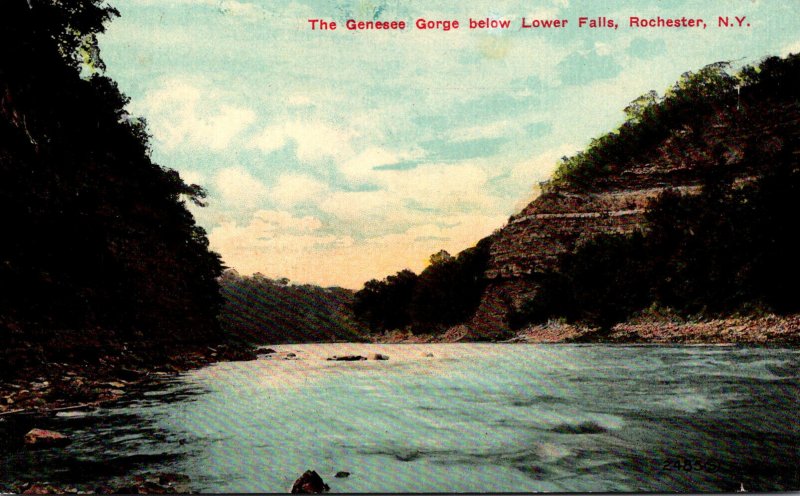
[96,236]
[261,310]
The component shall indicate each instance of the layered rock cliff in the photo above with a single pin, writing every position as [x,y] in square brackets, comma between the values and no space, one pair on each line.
[569,212]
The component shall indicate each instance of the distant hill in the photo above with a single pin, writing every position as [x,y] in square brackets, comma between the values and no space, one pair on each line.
[261,310]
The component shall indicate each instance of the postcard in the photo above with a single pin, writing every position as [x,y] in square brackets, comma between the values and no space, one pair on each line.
[395,246]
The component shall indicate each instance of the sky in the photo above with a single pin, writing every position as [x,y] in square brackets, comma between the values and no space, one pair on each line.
[335,157]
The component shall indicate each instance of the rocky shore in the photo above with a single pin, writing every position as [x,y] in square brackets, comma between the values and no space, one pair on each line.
[60,376]
[756,330]
[42,384]
[140,484]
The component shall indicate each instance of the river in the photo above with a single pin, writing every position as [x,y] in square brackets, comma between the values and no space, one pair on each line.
[471,417]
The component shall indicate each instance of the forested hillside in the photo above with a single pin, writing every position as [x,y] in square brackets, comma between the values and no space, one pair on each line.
[96,235]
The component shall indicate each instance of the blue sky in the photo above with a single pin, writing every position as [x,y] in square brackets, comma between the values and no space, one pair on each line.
[337,157]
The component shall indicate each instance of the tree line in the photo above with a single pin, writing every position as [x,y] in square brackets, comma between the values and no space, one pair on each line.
[445,293]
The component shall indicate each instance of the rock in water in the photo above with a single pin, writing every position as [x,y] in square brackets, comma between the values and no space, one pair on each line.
[377,356]
[347,358]
[309,483]
[40,438]
[342,474]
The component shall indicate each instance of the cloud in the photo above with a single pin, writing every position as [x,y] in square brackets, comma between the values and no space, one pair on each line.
[274,220]
[363,165]
[180,113]
[192,176]
[790,48]
[404,198]
[237,187]
[315,139]
[292,189]
[445,187]
[239,9]
[277,244]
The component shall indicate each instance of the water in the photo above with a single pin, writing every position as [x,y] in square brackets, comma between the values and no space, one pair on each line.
[474,417]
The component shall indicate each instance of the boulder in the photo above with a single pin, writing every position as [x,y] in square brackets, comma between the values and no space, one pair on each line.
[428,355]
[347,358]
[40,438]
[266,351]
[342,474]
[377,356]
[309,483]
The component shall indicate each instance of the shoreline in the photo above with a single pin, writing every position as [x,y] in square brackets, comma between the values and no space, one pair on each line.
[55,386]
[34,395]
[767,330]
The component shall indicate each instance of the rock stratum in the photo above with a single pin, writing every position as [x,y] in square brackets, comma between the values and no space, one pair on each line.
[569,212]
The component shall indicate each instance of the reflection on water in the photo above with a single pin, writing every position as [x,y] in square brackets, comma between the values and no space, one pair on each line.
[473,417]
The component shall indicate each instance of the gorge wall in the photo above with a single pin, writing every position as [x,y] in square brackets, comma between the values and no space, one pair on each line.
[567,214]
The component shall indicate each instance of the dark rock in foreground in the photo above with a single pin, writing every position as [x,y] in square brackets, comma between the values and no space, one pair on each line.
[342,474]
[40,438]
[309,483]
[378,356]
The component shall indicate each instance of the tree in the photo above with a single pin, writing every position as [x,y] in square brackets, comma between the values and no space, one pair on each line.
[385,305]
[97,234]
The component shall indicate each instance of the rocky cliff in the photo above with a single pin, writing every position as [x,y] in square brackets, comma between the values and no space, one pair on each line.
[748,124]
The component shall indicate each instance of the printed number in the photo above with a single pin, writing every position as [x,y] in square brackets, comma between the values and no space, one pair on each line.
[690,465]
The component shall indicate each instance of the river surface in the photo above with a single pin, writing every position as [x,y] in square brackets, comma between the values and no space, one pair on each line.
[471,417]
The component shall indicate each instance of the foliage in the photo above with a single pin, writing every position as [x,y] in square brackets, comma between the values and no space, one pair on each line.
[650,119]
[96,234]
[261,310]
[386,304]
[446,293]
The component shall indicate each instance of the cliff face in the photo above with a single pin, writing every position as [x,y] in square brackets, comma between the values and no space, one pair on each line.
[565,215]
